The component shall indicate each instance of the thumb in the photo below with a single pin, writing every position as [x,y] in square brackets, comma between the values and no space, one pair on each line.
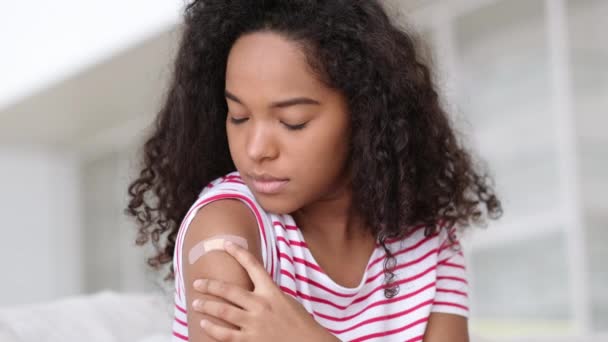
[256,271]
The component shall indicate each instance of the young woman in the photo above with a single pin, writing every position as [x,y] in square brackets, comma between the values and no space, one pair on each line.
[310,134]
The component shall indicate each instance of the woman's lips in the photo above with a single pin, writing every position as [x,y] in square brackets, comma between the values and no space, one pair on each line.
[268,185]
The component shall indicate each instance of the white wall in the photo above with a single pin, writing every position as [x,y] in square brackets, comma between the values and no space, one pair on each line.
[50,41]
[40,236]
[111,258]
[64,231]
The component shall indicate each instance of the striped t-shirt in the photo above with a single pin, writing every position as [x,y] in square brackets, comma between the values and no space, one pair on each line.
[429,270]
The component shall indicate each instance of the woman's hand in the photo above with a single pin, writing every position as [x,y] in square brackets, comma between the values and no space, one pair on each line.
[266,314]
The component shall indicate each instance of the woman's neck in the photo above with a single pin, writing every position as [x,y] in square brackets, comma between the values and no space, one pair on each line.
[332,219]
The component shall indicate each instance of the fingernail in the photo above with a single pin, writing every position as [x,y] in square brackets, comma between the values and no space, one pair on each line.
[203,323]
[199,283]
[197,303]
[228,244]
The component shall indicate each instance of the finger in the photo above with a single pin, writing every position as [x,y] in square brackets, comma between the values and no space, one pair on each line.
[224,311]
[254,268]
[230,292]
[220,333]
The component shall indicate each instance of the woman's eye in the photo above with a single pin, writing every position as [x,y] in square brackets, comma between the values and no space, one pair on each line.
[295,127]
[237,121]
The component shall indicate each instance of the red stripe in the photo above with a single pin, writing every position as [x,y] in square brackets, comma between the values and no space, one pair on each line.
[300,261]
[390,332]
[418,244]
[180,308]
[453,291]
[447,260]
[383,318]
[452,278]
[400,266]
[323,287]
[415,339]
[450,264]
[415,229]
[292,242]
[308,263]
[362,298]
[317,268]
[452,304]
[285,256]
[284,226]
[346,295]
[233,181]
[380,302]
[448,244]
[180,336]
[181,322]
[369,280]
[287,274]
[288,290]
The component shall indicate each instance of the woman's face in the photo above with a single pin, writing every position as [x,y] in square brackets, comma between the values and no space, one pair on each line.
[288,133]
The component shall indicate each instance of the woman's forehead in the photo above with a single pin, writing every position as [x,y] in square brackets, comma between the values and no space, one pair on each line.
[269,60]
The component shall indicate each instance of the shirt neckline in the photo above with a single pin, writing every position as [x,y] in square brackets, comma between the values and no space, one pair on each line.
[333,283]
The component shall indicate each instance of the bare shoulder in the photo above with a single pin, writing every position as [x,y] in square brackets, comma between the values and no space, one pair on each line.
[225,216]
[221,217]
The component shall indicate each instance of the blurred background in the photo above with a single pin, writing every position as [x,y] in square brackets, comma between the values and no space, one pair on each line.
[525,80]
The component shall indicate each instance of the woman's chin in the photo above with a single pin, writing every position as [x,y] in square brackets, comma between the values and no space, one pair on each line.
[279,205]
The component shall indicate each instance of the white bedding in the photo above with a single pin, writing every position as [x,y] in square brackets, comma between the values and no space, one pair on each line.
[103,317]
[113,317]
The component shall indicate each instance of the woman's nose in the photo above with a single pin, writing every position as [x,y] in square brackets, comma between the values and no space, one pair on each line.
[261,143]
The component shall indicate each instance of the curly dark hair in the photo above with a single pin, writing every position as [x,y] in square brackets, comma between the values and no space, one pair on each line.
[401,137]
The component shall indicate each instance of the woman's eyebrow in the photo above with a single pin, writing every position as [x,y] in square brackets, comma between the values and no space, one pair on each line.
[279,104]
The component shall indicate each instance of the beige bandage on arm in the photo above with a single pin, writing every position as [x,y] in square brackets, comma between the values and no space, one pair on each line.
[214,243]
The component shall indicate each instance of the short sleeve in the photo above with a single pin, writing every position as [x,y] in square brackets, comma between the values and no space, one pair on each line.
[231,187]
[452,286]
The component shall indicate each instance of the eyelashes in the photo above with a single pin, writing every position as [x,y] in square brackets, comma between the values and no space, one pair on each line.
[238,121]
[295,127]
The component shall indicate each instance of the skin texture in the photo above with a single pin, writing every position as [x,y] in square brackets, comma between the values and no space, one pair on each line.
[263,69]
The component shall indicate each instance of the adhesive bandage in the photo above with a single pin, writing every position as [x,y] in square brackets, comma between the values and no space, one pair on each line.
[214,243]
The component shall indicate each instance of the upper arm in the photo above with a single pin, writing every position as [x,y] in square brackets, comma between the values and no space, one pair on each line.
[443,327]
[226,216]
